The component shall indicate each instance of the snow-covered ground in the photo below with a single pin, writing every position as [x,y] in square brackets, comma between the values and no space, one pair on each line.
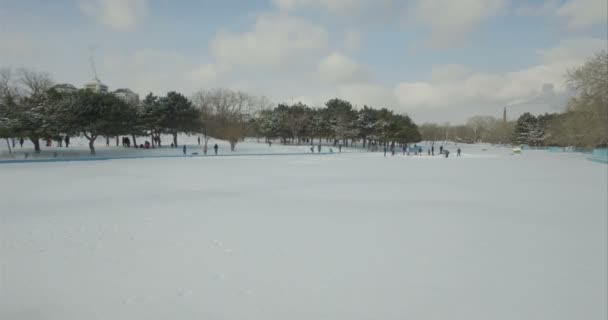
[343,236]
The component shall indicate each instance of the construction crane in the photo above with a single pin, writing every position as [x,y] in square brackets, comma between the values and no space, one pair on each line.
[92,62]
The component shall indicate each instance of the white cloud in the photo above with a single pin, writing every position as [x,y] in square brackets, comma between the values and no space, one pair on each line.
[512,88]
[352,40]
[572,49]
[335,6]
[338,68]
[449,72]
[575,14]
[583,13]
[367,94]
[117,14]
[450,20]
[275,41]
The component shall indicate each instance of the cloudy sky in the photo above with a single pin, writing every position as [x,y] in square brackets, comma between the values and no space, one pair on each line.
[437,60]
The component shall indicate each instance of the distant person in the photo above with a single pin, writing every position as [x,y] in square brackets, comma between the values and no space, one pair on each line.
[441,150]
[428,151]
[312,149]
[319,148]
[446,152]
[340,148]
[184,149]
[205,150]
[199,141]
[21,142]
[67,141]
[14,142]
[404,148]
[432,150]
[420,150]
[172,145]
[458,152]
[215,147]
[385,150]
[269,143]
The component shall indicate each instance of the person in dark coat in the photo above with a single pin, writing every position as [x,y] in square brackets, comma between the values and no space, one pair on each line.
[432,150]
[385,150]
[184,149]
[440,149]
[21,142]
[215,147]
[67,141]
[458,152]
[319,148]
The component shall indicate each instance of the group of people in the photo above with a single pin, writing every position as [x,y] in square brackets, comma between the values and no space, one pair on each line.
[49,142]
[417,150]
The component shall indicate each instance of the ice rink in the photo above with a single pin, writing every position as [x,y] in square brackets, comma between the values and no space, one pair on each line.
[345,236]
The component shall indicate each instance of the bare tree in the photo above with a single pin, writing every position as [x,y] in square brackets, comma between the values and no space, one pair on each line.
[227,114]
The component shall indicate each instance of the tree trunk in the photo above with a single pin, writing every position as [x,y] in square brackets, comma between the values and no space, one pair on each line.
[91,145]
[36,143]
[175,139]
[8,144]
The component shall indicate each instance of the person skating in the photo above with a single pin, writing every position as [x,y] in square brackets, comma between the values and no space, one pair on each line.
[340,148]
[269,143]
[21,142]
[440,149]
[67,141]
[446,152]
[319,148]
[215,147]
[420,150]
[458,152]
[312,149]
[184,149]
[432,150]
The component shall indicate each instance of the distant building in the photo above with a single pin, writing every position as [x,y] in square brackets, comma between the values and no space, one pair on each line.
[64,88]
[127,96]
[96,86]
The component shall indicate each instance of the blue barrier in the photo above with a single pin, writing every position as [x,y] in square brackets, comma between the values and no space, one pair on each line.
[103,158]
[600,155]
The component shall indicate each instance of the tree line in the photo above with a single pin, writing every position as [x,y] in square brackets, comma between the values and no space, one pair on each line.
[337,122]
[32,107]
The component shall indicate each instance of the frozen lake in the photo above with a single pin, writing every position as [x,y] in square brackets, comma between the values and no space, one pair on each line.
[344,236]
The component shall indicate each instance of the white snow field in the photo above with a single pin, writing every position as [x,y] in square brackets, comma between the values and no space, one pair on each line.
[343,236]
